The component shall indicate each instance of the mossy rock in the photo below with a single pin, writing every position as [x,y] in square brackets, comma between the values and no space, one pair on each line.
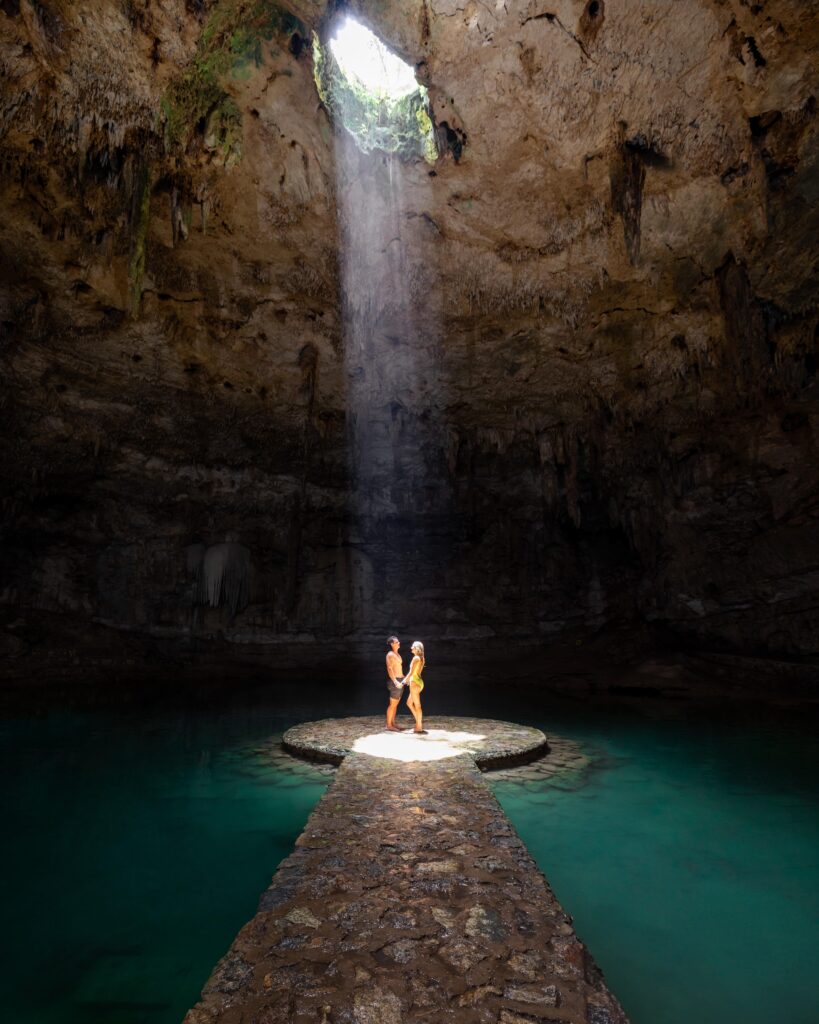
[223,131]
[230,46]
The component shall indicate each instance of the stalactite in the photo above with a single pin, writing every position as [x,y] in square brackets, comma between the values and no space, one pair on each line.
[627,177]
[221,575]
[140,218]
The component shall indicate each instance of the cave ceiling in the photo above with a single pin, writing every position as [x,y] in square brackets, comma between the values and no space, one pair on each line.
[610,270]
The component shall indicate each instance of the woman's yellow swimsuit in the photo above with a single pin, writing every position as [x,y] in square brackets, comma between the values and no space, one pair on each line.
[415,679]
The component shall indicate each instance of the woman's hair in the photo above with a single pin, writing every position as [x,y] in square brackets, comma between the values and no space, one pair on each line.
[390,641]
[419,647]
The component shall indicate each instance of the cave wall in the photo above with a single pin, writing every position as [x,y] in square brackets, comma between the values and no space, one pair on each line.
[565,380]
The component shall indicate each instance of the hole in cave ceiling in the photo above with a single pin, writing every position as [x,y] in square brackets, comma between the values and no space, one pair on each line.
[361,55]
[372,93]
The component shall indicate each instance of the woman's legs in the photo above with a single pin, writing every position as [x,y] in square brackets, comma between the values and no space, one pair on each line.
[412,704]
[417,713]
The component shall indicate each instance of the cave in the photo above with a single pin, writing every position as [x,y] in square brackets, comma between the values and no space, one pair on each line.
[512,349]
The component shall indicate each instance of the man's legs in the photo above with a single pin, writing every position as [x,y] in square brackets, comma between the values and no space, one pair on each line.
[392,707]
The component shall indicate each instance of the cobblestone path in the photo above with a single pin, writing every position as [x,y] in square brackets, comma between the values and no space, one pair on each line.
[408,898]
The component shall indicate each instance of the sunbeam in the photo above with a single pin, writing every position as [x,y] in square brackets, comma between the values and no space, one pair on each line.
[392,344]
[362,55]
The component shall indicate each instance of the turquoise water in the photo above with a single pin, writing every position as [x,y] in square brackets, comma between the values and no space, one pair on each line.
[689,859]
[139,847]
[136,845]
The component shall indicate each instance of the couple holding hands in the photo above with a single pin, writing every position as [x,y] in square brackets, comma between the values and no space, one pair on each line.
[395,684]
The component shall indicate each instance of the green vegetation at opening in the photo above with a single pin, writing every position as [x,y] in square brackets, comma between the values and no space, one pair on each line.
[377,122]
[230,45]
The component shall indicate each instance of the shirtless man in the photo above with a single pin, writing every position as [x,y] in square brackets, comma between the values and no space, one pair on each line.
[395,686]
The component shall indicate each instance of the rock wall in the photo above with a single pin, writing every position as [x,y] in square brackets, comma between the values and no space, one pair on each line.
[564,379]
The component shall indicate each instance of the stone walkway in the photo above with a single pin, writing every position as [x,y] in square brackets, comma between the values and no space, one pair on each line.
[408,898]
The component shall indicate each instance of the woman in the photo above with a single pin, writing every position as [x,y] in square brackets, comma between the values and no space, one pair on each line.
[395,669]
[416,684]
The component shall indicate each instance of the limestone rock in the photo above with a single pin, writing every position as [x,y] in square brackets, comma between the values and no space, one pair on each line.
[562,381]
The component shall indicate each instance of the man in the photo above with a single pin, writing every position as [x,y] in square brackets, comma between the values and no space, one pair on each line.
[395,684]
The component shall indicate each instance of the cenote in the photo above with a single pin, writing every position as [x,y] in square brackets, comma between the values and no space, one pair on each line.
[686,849]
[489,326]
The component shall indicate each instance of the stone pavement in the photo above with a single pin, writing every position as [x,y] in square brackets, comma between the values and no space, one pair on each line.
[408,898]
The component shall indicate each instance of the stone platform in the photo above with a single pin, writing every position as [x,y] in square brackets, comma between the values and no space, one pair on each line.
[409,898]
[492,744]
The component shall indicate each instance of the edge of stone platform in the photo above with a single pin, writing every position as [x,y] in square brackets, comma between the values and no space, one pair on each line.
[329,755]
[493,761]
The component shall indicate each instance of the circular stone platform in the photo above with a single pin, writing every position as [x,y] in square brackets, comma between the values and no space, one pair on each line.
[492,744]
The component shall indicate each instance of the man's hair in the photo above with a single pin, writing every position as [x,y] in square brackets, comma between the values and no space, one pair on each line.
[390,640]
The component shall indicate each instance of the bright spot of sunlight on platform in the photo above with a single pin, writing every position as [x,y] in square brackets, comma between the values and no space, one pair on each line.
[406,746]
[362,55]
